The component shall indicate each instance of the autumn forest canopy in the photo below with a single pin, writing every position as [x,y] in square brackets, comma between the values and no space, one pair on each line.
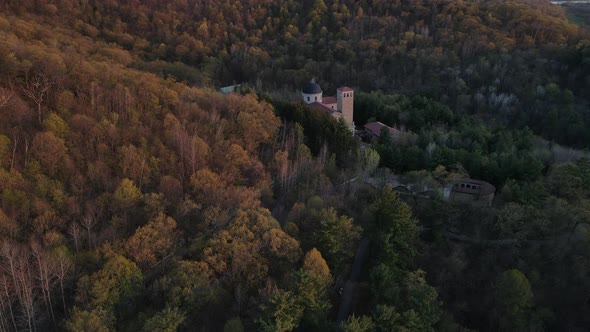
[135,197]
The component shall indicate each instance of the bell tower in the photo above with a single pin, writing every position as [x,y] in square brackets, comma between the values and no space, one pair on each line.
[345,99]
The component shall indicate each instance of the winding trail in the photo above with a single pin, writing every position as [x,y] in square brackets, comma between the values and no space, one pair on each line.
[350,286]
[362,252]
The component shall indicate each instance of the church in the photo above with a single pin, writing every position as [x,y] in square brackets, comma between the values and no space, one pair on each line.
[341,106]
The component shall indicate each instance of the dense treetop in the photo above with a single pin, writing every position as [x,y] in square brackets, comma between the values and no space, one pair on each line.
[483,57]
[134,197]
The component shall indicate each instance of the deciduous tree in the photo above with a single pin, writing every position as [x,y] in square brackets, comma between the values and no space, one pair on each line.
[152,242]
[167,320]
[50,151]
[337,237]
[514,301]
[37,88]
[314,279]
[127,195]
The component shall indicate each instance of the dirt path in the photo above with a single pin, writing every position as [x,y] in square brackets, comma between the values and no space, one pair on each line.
[350,286]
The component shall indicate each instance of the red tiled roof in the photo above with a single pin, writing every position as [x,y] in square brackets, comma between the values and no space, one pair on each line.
[321,107]
[345,89]
[375,129]
[329,100]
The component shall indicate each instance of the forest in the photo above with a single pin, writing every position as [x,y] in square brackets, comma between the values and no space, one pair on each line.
[135,197]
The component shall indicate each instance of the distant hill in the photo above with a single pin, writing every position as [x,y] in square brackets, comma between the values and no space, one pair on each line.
[465,53]
[579,13]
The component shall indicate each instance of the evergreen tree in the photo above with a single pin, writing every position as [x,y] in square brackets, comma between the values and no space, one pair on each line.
[514,301]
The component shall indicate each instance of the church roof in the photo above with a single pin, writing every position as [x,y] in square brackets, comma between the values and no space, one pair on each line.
[311,88]
[376,127]
[321,107]
[329,100]
[345,89]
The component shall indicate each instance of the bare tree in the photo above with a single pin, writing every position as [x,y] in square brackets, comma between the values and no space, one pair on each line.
[17,265]
[25,281]
[6,97]
[9,264]
[27,146]
[14,146]
[63,265]
[74,231]
[36,89]
[89,221]
[7,299]
[43,275]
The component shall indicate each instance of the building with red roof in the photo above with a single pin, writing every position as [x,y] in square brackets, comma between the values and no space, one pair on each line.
[339,106]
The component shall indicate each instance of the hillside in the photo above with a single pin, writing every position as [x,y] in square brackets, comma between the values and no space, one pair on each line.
[489,57]
[134,197]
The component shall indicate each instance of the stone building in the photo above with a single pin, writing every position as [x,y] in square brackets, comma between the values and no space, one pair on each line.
[373,131]
[472,191]
[340,106]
